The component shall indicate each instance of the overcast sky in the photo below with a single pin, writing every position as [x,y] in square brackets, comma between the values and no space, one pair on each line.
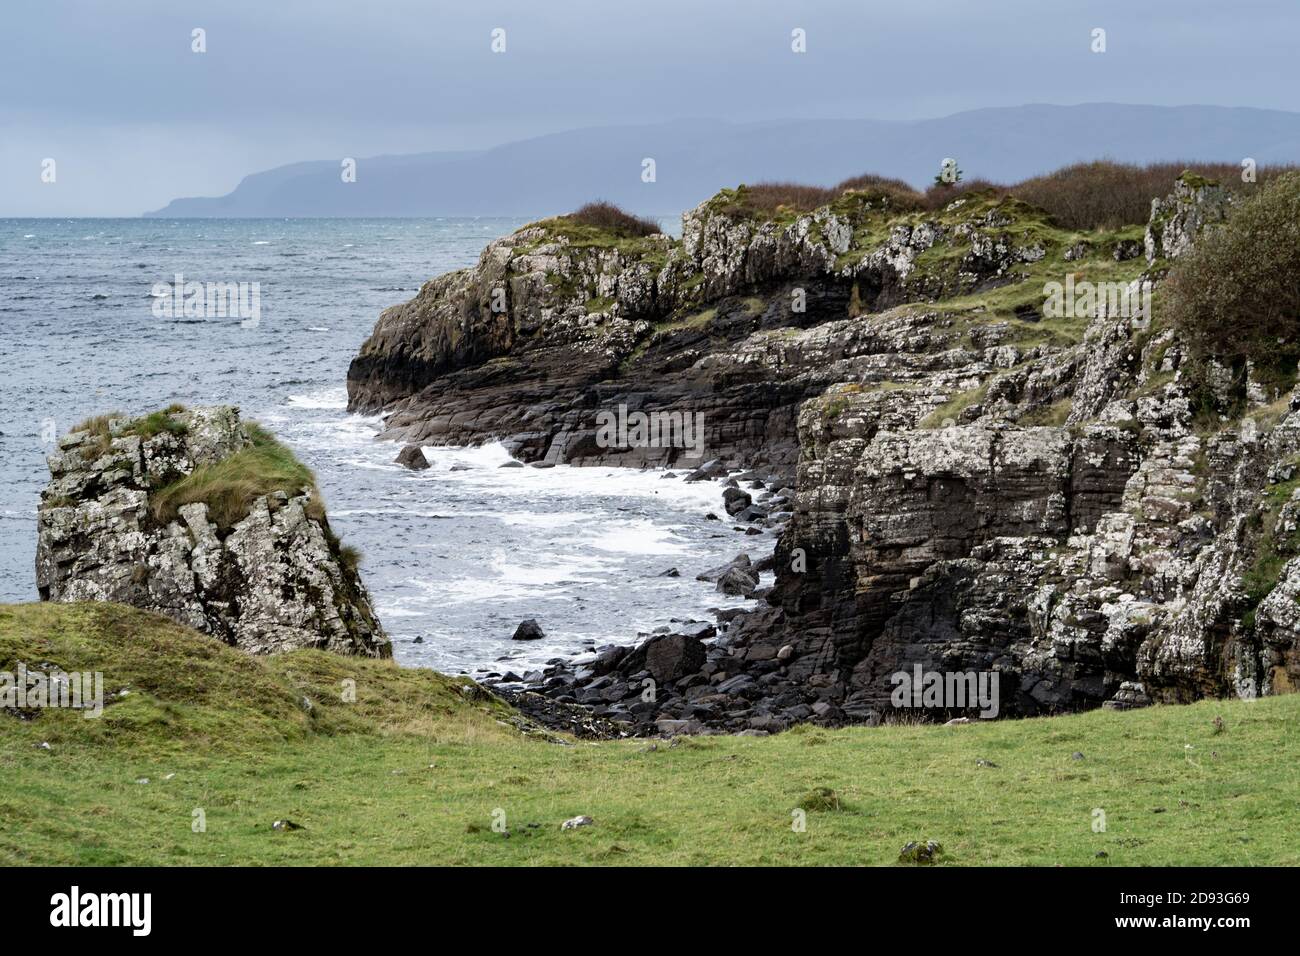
[133,118]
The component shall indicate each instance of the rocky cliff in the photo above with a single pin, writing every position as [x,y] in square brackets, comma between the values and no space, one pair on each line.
[962,476]
[205,518]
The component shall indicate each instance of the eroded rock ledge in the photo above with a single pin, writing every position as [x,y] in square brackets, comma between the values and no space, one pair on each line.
[202,517]
[979,486]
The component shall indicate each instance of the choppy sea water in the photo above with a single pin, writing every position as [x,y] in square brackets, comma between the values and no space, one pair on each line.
[455,556]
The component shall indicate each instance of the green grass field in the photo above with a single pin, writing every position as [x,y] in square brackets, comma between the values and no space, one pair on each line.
[417,769]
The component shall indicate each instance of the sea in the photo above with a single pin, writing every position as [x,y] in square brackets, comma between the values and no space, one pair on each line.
[454,557]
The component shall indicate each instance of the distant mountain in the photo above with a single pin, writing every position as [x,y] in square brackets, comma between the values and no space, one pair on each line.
[694,158]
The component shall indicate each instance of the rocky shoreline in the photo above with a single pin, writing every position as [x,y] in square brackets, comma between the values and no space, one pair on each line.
[687,677]
[958,480]
[961,479]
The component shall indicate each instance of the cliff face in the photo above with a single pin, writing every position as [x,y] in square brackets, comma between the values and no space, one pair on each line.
[560,320]
[981,483]
[201,517]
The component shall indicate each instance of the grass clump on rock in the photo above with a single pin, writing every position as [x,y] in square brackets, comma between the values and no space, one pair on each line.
[230,486]
[100,429]
[156,423]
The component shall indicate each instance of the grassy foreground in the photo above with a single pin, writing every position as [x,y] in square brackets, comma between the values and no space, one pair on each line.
[413,771]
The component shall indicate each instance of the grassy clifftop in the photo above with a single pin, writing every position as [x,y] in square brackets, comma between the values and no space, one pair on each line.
[417,769]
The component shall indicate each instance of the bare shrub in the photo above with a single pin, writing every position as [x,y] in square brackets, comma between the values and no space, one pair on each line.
[607,216]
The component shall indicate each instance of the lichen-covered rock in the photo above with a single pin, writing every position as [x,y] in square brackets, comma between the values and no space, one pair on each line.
[271,577]
[1178,218]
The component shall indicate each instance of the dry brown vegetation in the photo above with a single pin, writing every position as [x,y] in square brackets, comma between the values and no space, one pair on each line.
[1096,195]
[607,216]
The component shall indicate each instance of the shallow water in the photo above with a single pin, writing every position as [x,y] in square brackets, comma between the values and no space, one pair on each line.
[453,558]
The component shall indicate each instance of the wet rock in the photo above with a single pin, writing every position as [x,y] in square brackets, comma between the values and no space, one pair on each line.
[412,457]
[737,583]
[710,469]
[735,501]
[741,561]
[528,630]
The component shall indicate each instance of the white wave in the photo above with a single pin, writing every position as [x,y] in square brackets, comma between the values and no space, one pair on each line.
[325,398]
[634,537]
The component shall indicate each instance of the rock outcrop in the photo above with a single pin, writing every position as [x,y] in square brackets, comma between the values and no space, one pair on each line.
[979,484]
[177,513]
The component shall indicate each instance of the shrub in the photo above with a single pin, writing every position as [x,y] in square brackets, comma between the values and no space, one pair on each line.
[1107,195]
[607,216]
[1084,196]
[1235,295]
[769,197]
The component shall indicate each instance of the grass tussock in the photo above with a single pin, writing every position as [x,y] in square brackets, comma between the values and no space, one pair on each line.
[230,486]
[610,218]
[100,429]
[157,423]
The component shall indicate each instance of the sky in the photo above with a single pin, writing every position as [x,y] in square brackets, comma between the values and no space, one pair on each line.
[133,117]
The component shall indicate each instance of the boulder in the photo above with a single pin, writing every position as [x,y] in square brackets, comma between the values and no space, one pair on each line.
[412,457]
[528,630]
[735,501]
[737,583]
[673,656]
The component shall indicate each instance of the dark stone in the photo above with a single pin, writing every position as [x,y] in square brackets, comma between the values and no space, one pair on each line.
[734,501]
[712,576]
[528,630]
[672,656]
[737,583]
[412,457]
